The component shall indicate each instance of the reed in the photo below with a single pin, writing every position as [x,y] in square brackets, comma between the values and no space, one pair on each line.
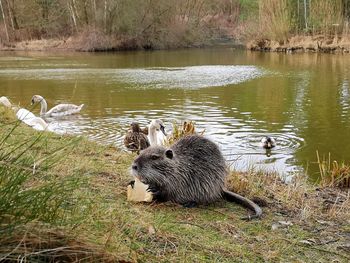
[23,197]
[180,130]
[333,174]
[37,242]
[275,19]
[326,17]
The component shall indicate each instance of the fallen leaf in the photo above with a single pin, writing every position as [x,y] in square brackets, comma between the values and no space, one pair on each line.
[308,241]
[151,230]
[285,223]
[275,226]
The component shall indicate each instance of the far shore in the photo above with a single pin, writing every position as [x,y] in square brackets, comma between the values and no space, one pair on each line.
[112,45]
[300,44]
[295,44]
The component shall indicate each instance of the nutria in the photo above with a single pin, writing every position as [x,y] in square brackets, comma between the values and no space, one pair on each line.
[190,172]
[135,140]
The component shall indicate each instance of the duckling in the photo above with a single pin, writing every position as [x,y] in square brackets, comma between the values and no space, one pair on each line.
[135,140]
[58,110]
[268,142]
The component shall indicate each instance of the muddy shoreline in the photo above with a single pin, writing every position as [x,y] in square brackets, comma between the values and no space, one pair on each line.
[303,44]
[295,44]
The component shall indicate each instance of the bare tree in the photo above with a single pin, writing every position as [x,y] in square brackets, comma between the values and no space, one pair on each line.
[3,15]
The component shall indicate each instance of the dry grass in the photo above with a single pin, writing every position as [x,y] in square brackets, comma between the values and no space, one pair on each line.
[332,174]
[326,17]
[274,19]
[6,114]
[299,198]
[301,43]
[180,130]
[43,243]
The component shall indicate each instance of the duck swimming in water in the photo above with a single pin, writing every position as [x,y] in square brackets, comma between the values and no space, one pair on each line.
[268,142]
[135,140]
[58,110]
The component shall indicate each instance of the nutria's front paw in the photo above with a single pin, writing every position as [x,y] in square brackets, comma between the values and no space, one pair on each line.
[190,204]
[132,183]
[156,193]
[154,190]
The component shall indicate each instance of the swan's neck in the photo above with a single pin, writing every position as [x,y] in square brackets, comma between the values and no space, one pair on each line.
[43,107]
[152,135]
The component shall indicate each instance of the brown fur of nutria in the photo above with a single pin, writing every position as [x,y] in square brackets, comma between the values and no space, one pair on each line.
[190,172]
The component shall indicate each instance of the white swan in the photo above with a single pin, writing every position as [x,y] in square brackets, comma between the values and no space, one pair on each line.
[30,119]
[57,111]
[5,101]
[153,131]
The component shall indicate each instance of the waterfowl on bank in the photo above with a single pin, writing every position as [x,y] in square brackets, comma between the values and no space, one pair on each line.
[268,142]
[156,138]
[135,140]
[58,110]
[144,130]
[31,120]
[5,102]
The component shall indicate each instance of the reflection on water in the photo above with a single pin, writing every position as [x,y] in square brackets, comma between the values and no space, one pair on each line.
[237,97]
[185,77]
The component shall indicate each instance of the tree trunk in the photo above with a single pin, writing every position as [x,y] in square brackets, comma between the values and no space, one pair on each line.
[105,16]
[10,15]
[305,16]
[86,15]
[93,4]
[14,16]
[3,15]
[73,16]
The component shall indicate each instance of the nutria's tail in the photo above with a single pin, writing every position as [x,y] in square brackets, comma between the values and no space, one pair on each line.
[233,197]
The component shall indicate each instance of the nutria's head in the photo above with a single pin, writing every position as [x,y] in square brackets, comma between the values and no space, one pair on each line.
[36,98]
[154,165]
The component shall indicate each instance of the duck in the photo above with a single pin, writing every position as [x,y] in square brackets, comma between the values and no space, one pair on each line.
[31,120]
[268,142]
[153,131]
[58,110]
[135,140]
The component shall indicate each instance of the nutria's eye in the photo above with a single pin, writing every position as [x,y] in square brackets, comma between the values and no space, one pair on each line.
[154,157]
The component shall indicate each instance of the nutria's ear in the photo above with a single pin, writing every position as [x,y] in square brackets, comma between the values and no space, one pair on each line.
[169,153]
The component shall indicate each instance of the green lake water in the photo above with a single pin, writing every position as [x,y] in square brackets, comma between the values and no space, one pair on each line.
[302,100]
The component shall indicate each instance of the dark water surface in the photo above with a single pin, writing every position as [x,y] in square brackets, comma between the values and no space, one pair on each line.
[303,100]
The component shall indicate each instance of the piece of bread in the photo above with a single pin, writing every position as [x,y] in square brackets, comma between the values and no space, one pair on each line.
[138,192]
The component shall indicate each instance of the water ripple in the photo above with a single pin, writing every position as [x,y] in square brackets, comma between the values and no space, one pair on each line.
[193,77]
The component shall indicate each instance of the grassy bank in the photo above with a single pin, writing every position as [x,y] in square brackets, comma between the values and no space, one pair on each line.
[71,205]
